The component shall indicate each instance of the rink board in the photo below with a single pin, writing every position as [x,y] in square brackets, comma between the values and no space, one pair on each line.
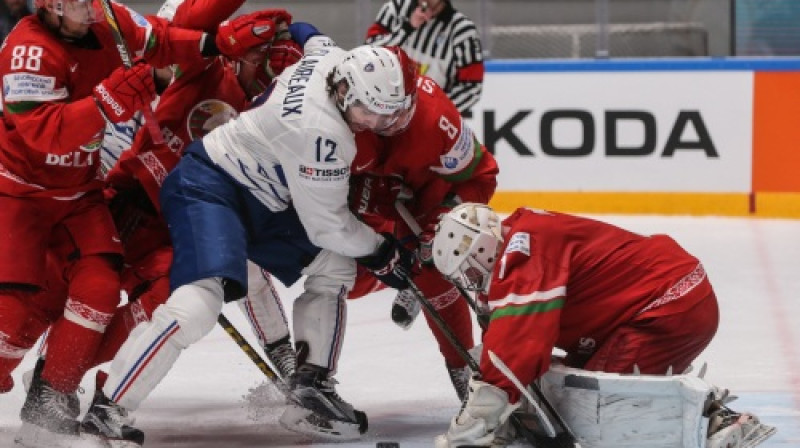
[699,136]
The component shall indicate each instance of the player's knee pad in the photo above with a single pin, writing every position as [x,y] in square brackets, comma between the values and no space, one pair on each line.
[319,320]
[609,410]
[195,307]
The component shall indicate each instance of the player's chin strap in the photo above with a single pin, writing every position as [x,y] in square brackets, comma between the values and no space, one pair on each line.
[554,439]
[250,351]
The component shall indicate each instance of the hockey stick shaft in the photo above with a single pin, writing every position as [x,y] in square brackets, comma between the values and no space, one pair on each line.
[483,321]
[247,348]
[127,61]
[412,224]
[473,365]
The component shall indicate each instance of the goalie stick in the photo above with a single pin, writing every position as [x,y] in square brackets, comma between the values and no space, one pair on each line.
[516,419]
[127,61]
[565,437]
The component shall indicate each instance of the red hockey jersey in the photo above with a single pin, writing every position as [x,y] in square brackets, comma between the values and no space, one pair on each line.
[437,154]
[51,127]
[568,282]
[190,107]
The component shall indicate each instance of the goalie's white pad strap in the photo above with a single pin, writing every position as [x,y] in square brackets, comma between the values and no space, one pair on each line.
[607,410]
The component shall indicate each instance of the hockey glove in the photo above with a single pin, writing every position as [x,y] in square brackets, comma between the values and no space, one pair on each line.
[282,54]
[376,195]
[425,250]
[391,263]
[235,37]
[125,91]
[485,411]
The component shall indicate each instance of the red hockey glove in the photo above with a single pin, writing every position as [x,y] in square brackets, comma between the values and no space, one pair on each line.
[282,54]
[391,263]
[235,37]
[125,91]
[425,249]
[376,195]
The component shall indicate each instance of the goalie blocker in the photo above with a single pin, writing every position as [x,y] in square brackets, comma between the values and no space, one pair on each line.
[607,410]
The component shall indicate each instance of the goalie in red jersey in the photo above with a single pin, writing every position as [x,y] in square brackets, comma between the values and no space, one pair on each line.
[613,300]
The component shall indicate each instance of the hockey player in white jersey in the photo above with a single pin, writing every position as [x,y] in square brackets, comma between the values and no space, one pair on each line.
[271,186]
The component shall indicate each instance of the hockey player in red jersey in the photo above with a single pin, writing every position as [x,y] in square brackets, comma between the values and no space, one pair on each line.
[434,162]
[63,78]
[614,300]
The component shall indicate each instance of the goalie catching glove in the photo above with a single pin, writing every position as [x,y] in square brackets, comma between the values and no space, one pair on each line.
[391,263]
[485,411]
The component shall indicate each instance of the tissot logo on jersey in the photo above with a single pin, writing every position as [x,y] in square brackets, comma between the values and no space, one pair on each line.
[324,174]
[296,88]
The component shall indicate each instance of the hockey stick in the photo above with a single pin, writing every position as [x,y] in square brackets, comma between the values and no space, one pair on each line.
[127,61]
[564,438]
[248,349]
[535,439]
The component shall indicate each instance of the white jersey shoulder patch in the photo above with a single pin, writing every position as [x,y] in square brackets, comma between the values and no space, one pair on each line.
[460,155]
[519,242]
[31,87]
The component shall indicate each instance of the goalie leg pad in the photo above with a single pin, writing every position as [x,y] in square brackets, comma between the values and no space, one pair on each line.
[607,410]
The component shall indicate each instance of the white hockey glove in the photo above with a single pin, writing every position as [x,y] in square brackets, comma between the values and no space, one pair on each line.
[487,408]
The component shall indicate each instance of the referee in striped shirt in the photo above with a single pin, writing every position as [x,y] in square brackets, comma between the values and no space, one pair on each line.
[441,39]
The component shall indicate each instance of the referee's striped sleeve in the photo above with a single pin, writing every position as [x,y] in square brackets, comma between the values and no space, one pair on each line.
[390,27]
[467,82]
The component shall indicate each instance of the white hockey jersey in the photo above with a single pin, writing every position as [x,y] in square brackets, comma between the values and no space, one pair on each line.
[296,148]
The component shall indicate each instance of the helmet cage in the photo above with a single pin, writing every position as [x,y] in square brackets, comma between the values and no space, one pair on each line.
[466,244]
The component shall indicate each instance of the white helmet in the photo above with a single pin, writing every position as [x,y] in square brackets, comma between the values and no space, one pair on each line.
[466,243]
[381,84]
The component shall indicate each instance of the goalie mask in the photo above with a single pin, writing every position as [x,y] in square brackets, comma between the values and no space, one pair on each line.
[379,90]
[466,244]
[80,11]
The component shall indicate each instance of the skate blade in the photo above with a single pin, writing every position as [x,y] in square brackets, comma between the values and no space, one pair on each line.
[33,436]
[304,421]
[758,435]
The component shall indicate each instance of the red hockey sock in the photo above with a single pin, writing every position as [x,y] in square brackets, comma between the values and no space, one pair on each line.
[70,351]
[14,317]
[125,319]
[457,316]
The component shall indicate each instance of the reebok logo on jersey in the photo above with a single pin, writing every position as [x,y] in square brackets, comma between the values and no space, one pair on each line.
[109,100]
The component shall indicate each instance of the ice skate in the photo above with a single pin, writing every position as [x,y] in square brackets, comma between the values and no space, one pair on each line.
[282,356]
[108,422]
[49,418]
[315,409]
[405,309]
